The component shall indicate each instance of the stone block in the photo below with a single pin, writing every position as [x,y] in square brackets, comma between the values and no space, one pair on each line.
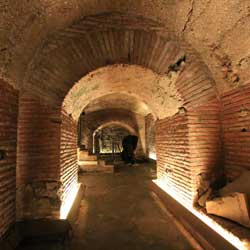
[202,200]
[234,207]
[240,185]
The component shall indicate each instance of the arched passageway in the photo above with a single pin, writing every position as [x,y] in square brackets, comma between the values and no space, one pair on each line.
[143,75]
[108,139]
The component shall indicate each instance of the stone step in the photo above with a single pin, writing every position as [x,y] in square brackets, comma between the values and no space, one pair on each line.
[97,168]
[88,163]
[83,155]
[88,158]
[101,163]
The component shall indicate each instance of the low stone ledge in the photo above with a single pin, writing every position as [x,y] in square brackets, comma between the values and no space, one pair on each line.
[207,237]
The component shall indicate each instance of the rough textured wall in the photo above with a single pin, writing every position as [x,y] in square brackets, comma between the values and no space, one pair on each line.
[236,131]
[118,101]
[38,165]
[150,136]
[25,25]
[219,31]
[158,94]
[149,54]
[173,154]
[68,155]
[223,45]
[189,149]
[205,145]
[8,142]
[109,139]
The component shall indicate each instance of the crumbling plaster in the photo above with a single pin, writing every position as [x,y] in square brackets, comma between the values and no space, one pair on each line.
[218,30]
[118,101]
[25,25]
[158,93]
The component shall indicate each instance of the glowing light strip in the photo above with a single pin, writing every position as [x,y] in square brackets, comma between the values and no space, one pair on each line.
[228,236]
[152,156]
[68,201]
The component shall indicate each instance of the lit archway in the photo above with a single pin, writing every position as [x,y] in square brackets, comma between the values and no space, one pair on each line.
[181,93]
[124,130]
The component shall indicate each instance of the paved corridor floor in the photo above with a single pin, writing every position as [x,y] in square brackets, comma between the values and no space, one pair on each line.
[118,213]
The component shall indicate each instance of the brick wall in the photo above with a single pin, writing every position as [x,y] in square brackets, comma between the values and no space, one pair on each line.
[38,161]
[205,145]
[8,138]
[68,156]
[236,131]
[173,158]
[150,136]
[189,147]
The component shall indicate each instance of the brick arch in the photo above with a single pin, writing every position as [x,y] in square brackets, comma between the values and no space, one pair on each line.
[97,42]
[98,119]
[135,82]
[188,141]
[119,124]
[113,38]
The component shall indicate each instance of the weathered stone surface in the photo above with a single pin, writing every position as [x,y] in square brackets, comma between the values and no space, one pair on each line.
[234,207]
[38,199]
[240,185]
[27,25]
[159,92]
[47,46]
[118,101]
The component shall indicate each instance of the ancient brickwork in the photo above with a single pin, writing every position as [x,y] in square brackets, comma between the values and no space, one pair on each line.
[38,158]
[205,144]
[173,154]
[68,154]
[8,142]
[236,131]
[97,44]
[189,146]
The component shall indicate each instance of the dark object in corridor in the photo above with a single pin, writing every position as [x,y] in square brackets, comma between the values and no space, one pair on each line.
[129,144]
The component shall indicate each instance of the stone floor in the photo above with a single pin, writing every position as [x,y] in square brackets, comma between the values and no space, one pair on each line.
[118,213]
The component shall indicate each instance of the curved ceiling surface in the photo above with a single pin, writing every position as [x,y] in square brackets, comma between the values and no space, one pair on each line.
[118,101]
[157,93]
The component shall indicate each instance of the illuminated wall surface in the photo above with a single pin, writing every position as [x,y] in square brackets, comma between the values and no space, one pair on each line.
[185,92]
[227,235]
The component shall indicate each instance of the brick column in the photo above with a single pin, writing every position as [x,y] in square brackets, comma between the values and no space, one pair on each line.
[38,159]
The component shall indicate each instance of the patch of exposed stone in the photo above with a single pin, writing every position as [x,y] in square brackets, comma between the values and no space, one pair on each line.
[40,199]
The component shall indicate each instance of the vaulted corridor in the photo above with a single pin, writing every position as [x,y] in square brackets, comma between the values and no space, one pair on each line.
[94,91]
